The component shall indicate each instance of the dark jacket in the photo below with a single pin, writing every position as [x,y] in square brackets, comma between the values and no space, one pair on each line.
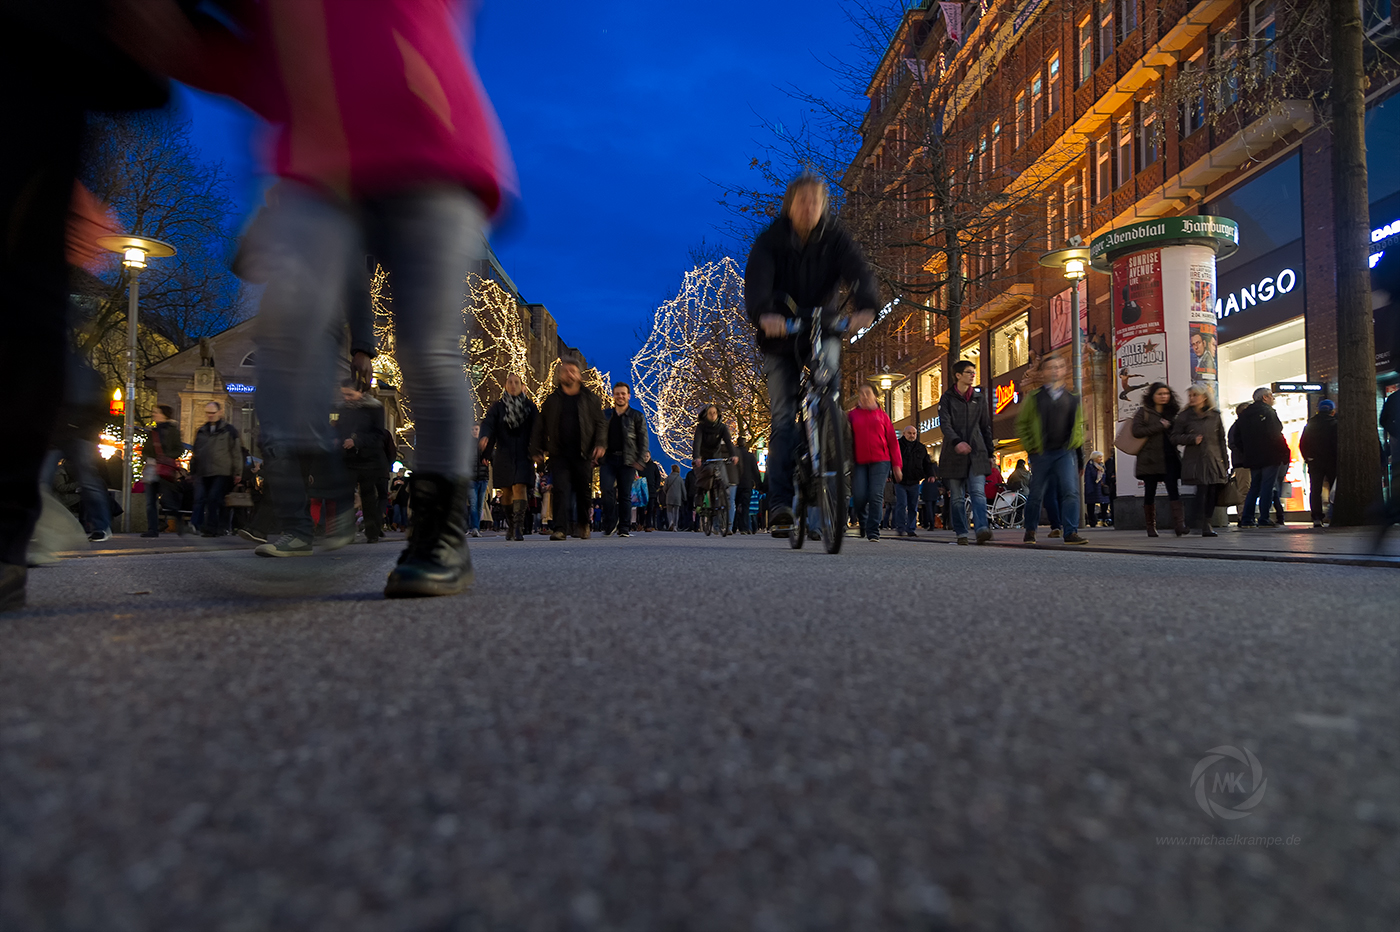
[1159,452]
[634,434]
[509,447]
[1319,444]
[217,451]
[748,469]
[810,274]
[965,421]
[651,471]
[1259,437]
[166,448]
[714,443]
[916,461]
[1204,463]
[1095,479]
[363,423]
[592,429]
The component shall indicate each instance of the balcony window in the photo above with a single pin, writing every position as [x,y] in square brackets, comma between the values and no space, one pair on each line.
[1086,51]
[1103,150]
[1022,120]
[1037,94]
[1193,107]
[1106,30]
[1052,220]
[1053,69]
[1263,26]
[1148,143]
[1226,52]
[996,145]
[1074,207]
[1125,150]
[1127,17]
[1011,345]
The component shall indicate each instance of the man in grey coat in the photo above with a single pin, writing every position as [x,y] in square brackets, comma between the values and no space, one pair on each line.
[966,459]
[217,461]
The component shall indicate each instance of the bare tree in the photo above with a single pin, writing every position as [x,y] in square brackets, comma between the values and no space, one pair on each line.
[146,169]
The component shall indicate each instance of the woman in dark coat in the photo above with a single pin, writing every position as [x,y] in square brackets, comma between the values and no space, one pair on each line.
[506,432]
[1095,497]
[1158,460]
[1205,464]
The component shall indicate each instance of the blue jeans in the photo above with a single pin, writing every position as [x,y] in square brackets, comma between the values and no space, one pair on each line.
[476,493]
[1055,469]
[958,489]
[906,507]
[209,492]
[425,238]
[868,491]
[783,373]
[1262,483]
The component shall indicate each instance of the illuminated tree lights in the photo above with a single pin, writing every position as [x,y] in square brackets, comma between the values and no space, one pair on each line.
[701,350]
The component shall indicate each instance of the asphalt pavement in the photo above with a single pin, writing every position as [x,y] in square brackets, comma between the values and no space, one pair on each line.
[674,732]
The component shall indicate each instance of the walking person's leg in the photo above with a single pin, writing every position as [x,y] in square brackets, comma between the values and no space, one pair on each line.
[957,494]
[369,503]
[1036,495]
[978,490]
[879,472]
[583,496]
[1251,498]
[608,481]
[783,380]
[1066,471]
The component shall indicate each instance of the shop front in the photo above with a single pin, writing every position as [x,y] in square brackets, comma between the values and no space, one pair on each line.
[1007,392]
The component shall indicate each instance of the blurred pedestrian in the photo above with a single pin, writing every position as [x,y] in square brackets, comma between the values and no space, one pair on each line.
[476,500]
[1095,498]
[1259,440]
[1205,462]
[966,458]
[876,457]
[505,439]
[1318,445]
[675,496]
[163,451]
[622,461]
[1051,425]
[1158,462]
[217,461]
[360,428]
[571,430]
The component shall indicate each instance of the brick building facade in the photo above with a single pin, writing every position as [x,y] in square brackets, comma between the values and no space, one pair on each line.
[1087,116]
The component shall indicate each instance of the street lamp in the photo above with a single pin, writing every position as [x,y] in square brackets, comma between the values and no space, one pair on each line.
[1073,261]
[134,250]
[886,379]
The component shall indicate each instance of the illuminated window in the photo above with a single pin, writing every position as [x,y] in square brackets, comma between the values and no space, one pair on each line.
[1086,51]
[930,386]
[1011,345]
[1104,177]
[902,401]
[973,354]
[1037,93]
[996,144]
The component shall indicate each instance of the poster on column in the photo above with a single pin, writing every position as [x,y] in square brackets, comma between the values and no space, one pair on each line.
[1139,330]
[1060,311]
[1202,322]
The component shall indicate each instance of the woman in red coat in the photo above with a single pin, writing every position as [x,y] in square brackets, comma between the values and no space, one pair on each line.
[876,453]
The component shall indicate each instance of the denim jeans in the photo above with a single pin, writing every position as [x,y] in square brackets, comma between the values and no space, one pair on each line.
[783,374]
[425,239]
[615,479]
[1057,469]
[1262,482]
[209,492]
[906,507]
[958,490]
[476,494]
[868,492]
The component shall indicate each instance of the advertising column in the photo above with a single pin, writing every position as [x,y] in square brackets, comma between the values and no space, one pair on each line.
[1163,281]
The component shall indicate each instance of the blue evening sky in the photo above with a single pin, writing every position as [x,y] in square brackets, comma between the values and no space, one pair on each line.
[616,114]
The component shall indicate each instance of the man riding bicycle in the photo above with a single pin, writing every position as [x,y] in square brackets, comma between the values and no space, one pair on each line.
[804,256]
[712,447]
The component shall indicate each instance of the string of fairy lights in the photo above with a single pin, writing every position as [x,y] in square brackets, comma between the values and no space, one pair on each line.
[495,343]
[701,351]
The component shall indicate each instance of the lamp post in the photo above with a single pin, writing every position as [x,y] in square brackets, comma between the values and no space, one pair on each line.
[886,380]
[1073,261]
[134,251]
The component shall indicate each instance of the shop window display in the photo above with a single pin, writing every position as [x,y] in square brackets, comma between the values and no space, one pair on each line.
[1011,345]
[930,386]
[1278,354]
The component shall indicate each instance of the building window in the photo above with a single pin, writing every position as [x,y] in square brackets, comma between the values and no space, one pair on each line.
[1127,18]
[1052,220]
[1053,69]
[1086,51]
[982,158]
[902,401]
[1074,206]
[1125,149]
[930,386]
[1022,120]
[1011,345]
[1103,184]
[1037,95]
[996,145]
[1193,107]
[1263,24]
[1106,33]
[1226,51]
[1148,141]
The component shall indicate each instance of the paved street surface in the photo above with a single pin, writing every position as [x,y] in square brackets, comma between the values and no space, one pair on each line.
[674,732]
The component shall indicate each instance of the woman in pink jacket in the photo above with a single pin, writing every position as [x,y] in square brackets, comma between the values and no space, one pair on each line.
[876,449]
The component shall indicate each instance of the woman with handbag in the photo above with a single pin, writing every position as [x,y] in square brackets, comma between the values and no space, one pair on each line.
[1205,464]
[1158,460]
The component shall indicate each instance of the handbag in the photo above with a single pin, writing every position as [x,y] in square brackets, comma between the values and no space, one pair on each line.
[1125,441]
[1230,494]
[238,500]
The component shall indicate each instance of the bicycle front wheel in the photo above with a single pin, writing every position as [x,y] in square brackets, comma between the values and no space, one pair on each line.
[831,478]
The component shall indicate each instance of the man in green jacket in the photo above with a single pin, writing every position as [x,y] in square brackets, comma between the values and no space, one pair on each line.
[1051,426]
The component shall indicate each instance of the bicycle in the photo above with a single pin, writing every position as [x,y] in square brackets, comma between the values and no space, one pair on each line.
[820,461]
[714,500]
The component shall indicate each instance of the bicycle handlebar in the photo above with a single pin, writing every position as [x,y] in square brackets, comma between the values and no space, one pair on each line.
[797,324]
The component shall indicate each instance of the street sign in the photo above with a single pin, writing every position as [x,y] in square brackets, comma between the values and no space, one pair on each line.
[1286,388]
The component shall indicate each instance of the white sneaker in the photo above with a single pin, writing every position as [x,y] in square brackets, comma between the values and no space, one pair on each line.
[97,536]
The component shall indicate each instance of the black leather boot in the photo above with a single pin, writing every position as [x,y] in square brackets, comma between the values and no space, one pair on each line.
[517,520]
[436,560]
